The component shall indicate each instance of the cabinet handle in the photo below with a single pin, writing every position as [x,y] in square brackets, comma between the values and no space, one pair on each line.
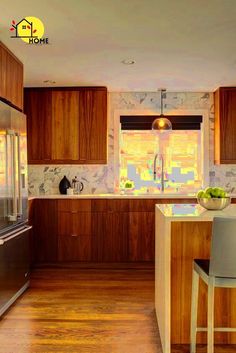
[74,235]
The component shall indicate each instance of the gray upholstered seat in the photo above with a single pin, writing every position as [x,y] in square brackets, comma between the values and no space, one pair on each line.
[219,271]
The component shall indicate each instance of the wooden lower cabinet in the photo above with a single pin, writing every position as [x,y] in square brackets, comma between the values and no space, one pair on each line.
[74,248]
[110,237]
[45,231]
[97,230]
[141,236]
[74,235]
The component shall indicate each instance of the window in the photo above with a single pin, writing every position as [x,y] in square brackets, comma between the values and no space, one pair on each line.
[181,151]
[23,27]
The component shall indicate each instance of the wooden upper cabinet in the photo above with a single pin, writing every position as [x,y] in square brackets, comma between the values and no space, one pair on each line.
[66,125]
[38,109]
[93,126]
[225,125]
[3,72]
[11,78]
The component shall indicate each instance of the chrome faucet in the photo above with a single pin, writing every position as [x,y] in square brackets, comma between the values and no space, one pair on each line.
[162,170]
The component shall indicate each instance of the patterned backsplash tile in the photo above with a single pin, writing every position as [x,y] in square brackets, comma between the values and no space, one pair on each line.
[101,178]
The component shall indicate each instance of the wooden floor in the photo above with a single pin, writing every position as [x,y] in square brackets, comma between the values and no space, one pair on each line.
[83,310]
[86,311]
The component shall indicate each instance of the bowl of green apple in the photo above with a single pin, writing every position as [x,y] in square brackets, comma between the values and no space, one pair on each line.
[213,198]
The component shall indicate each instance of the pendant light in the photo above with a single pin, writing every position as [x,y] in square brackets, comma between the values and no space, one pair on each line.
[162,123]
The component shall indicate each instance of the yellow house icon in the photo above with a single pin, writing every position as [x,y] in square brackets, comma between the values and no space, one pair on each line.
[24,29]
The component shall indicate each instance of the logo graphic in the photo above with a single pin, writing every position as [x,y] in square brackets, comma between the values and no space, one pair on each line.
[30,30]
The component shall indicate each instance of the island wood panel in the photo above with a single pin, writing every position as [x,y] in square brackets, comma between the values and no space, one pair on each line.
[45,230]
[141,236]
[110,236]
[225,125]
[93,126]
[37,107]
[191,240]
[65,125]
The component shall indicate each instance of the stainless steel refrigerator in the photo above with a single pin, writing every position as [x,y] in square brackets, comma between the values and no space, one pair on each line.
[14,231]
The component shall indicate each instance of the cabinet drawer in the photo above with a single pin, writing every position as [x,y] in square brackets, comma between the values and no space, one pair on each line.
[142,205]
[110,205]
[74,248]
[74,205]
[74,224]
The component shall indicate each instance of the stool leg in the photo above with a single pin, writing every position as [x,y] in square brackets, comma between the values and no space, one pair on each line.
[210,315]
[194,310]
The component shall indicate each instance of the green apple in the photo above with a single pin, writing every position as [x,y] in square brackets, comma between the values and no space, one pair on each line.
[216,192]
[222,194]
[207,196]
[208,191]
[200,194]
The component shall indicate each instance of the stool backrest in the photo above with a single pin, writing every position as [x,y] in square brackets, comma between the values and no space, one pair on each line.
[223,248]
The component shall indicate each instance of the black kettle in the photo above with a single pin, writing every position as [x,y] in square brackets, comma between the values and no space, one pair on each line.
[64,185]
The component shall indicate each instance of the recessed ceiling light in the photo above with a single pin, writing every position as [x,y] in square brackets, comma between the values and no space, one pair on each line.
[50,82]
[128,62]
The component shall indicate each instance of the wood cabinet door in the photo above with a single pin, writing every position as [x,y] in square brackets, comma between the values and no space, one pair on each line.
[74,224]
[141,236]
[45,230]
[11,78]
[93,126]
[3,72]
[74,229]
[37,107]
[14,81]
[74,248]
[225,125]
[65,125]
[110,236]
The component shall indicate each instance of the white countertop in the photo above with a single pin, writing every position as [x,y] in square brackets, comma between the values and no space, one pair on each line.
[193,212]
[116,196]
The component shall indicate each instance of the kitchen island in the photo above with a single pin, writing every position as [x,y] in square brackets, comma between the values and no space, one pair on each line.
[183,233]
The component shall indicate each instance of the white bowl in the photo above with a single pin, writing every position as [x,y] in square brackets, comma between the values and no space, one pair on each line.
[214,203]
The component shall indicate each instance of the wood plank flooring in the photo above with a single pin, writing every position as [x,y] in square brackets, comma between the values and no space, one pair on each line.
[87,310]
[83,311]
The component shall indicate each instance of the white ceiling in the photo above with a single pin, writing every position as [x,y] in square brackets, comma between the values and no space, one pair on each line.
[181,45]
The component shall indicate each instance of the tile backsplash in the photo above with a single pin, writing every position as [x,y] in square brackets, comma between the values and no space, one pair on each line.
[44,179]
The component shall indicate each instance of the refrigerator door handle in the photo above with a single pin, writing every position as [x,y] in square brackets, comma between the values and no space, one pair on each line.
[19,177]
[13,235]
[13,217]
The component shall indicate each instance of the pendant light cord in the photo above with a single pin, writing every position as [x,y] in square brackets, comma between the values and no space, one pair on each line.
[162,91]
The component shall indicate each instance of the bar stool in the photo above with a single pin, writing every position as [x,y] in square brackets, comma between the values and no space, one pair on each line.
[219,271]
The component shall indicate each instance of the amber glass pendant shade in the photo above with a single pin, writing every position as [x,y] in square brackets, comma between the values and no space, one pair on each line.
[162,123]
